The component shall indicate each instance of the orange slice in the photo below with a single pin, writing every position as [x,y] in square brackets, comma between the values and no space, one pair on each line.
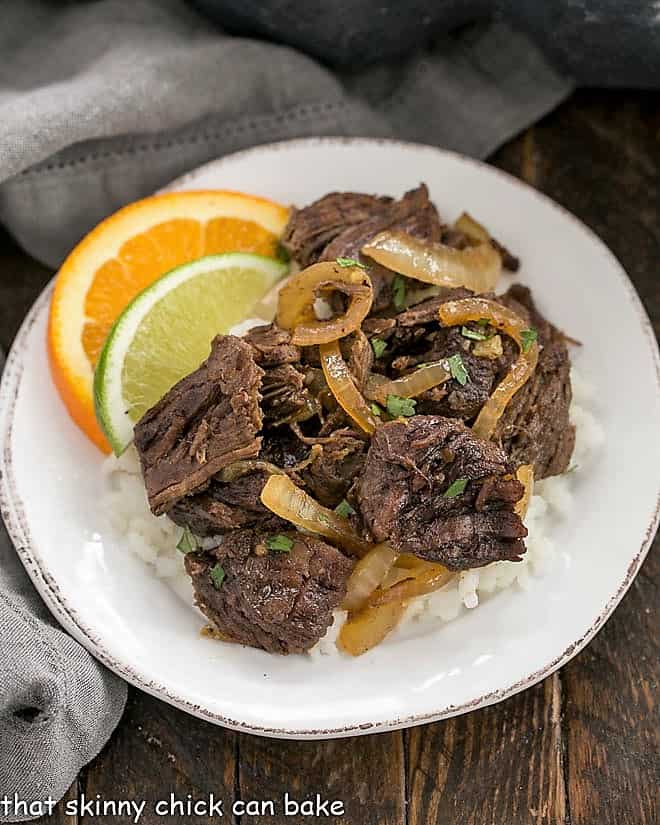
[127,252]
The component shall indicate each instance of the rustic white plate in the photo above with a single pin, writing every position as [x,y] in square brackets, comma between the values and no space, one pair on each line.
[51,486]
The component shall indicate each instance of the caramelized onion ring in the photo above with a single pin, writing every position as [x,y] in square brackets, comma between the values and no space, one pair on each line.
[525,475]
[472,228]
[367,628]
[505,319]
[421,580]
[476,267]
[289,502]
[343,388]
[409,386]
[368,574]
[295,306]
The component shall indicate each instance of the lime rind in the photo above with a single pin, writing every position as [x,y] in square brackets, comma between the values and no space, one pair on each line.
[111,408]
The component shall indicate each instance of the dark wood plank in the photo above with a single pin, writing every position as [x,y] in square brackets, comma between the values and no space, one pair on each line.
[60,815]
[598,155]
[611,713]
[365,773]
[156,751]
[502,764]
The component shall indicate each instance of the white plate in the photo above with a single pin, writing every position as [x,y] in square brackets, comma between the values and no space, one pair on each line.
[51,485]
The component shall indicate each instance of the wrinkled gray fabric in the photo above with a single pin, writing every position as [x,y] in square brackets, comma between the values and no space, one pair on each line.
[101,103]
[58,705]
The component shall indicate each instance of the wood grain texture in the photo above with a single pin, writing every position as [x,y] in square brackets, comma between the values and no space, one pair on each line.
[502,764]
[366,773]
[158,750]
[579,749]
[611,713]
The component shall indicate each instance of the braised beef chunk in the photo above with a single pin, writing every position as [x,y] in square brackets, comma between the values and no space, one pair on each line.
[421,339]
[277,600]
[414,213]
[225,506]
[433,489]
[536,428]
[272,346]
[285,396]
[329,477]
[206,421]
[311,229]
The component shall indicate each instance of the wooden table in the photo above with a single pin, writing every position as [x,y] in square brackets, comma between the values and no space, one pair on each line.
[578,748]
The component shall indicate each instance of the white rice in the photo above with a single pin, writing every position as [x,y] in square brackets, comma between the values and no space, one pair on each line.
[154,539]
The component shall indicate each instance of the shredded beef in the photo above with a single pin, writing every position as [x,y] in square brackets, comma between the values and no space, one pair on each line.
[311,229]
[272,346]
[402,488]
[535,427]
[225,506]
[281,602]
[207,420]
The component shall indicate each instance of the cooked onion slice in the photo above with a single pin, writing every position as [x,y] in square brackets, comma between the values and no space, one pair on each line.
[525,475]
[295,307]
[472,228]
[365,629]
[289,502]
[477,267]
[343,388]
[421,580]
[368,574]
[505,319]
[409,386]
[242,468]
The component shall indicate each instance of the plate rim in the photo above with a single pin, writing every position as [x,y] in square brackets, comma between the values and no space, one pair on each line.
[15,519]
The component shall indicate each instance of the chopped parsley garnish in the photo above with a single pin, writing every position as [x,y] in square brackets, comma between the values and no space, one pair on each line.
[282,253]
[399,291]
[375,409]
[474,334]
[397,406]
[279,543]
[344,509]
[188,542]
[349,262]
[422,365]
[217,576]
[458,370]
[379,346]
[527,338]
[483,322]
[456,488]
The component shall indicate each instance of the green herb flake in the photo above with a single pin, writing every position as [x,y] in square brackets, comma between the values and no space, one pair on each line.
[483,322]
[527,337]
[344,509]
[188,542]
[456,488]
[279,543]
[379,346]
[397,406]
[458,370]
[376,410]
[217,576]
[422,365]
[346,262]
[473,334]
[399,291]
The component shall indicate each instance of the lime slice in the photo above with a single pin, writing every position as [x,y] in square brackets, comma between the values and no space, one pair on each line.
[166,332]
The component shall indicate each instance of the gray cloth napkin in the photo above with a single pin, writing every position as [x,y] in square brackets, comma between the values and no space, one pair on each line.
[103,102]
[58,705]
